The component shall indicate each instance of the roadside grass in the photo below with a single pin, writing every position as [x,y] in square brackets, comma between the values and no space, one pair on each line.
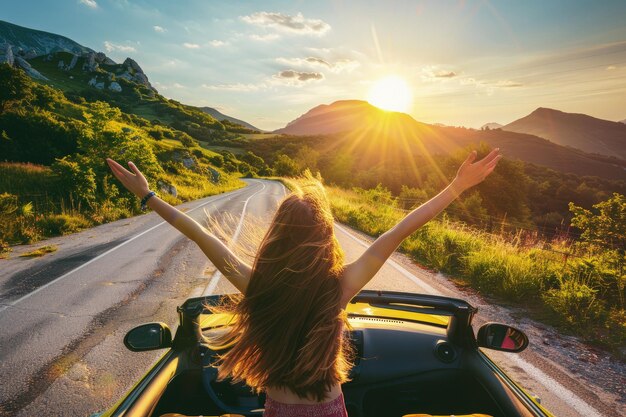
[579,289]
[39,252]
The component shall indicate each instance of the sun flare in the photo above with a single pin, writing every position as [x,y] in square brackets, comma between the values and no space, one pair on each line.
[391,93]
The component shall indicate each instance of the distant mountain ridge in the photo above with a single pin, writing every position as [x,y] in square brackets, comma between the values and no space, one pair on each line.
[221,116]
[492,125]
[37,42]
[575,130]
[370,127]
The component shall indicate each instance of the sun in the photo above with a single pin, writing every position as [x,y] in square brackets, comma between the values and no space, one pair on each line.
[391,93]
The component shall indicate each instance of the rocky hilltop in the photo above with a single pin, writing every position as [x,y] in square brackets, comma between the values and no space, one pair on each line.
[34,43]
[34,51]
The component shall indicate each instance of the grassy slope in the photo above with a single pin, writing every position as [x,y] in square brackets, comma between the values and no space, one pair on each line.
[37,205]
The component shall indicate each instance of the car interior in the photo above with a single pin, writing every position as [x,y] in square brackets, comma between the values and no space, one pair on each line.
[401,368]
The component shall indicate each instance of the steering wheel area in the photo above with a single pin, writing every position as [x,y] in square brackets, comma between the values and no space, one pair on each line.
[248,403]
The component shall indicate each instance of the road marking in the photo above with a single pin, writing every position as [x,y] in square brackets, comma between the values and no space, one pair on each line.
[559,390]
[217,274]
[4,306]
[420,283]
[538,375]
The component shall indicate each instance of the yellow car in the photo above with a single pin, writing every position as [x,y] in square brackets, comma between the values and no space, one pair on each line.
[417,355]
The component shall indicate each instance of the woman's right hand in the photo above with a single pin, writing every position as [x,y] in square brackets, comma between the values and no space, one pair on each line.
[134,181]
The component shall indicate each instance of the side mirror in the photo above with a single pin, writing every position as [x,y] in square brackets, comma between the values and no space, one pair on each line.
[149,336]
[501,337]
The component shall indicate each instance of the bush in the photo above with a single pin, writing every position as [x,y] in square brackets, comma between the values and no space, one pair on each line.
[62,224]
[576,303]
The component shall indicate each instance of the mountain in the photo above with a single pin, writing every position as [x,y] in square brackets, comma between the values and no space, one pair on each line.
[369,133]
[623,121]
[575,130]
[492,125]
[221,116]
[36,42]
[344,115]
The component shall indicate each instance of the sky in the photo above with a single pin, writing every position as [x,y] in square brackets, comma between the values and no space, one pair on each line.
[465,62]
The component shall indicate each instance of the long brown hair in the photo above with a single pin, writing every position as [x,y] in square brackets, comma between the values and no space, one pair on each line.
[288,331]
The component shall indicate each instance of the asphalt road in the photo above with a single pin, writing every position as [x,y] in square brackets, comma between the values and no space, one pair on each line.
[63,317]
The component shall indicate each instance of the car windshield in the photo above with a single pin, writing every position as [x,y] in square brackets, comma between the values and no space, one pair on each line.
[400,312]
[426,315]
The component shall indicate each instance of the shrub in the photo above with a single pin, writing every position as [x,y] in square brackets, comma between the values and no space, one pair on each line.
[576,303]
[62,224]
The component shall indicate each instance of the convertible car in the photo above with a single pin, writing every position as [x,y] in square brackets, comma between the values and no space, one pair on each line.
[416,355]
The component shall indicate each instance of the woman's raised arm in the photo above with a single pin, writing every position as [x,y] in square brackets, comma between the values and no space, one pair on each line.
[233,268]
[361,271]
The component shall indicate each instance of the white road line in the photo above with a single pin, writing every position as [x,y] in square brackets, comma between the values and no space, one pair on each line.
[217,274]
[552,385]
[535,373]
[4,306]
[421,284]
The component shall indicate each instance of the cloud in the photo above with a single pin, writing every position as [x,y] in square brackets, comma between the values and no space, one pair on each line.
[445,74]
[217,43]
[508,84]
[287,23]
[345,65]
[191,45]
[265,38]
[300,77]
[89,3]
[434,72]
[611,67]
[235,87]
[338,66]
[159,29]
[161,86]
[111,47]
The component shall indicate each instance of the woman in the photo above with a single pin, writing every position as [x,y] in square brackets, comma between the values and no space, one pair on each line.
[289,338]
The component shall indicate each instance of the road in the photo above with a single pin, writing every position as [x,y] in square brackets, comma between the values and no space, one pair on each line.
[63,317]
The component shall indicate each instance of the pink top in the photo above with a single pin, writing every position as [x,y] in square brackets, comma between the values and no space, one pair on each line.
[333,408]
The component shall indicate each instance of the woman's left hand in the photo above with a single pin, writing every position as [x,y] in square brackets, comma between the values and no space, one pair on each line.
[134,181]
[472,173]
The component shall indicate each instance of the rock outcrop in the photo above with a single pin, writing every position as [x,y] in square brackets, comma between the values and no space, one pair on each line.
[215,175]
[90,63]
[72,63]
[114,86]
[135,73]
[132,66]
[8,55]
[30,54]
[28,69]
[167,188]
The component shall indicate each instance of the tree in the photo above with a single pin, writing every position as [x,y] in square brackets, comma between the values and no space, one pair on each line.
[285,166]
[307,157]
[605,227]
